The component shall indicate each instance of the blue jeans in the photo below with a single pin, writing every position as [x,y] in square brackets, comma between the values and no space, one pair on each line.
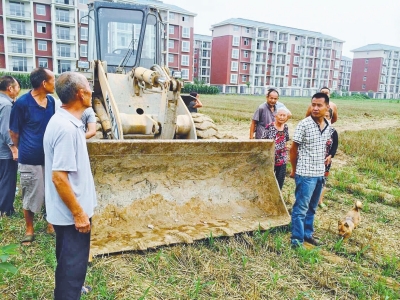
[307,193]
[72,253]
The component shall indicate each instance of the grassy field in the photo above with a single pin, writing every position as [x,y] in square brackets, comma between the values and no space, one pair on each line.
[261,264]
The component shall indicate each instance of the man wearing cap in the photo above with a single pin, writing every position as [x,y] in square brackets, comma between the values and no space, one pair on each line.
[195,103]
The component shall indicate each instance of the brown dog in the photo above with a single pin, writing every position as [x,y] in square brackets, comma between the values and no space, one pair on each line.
[351,221]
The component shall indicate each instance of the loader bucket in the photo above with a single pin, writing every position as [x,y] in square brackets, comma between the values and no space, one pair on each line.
[161,192]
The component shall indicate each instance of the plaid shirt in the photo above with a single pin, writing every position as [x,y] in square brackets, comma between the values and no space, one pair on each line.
[312,146]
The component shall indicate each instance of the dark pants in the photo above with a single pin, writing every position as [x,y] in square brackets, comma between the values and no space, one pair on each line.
[8,183]
[280,173]
[72,253]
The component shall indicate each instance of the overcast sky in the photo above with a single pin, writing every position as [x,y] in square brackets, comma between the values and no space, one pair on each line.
[357,22]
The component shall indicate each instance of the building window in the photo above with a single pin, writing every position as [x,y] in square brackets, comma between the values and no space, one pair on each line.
[185,46]
[83,50]
[185,73]
[246,41]
[365,78]
[247,30]
[62,15]
[363,86]
[296,60]
[234,66]
[16,9]
[295,71]
[334,84]
[40,10]
[171,44]
[41,27]
[335,74]
[185,60]
[84,33]
[42,45]
[337,64]
[235,41]
[43,62]
[63,33]
[235,53]
[64,50]
[195,69]
[205,53]
[171,16]
[244,78]
[195,60]
[244,66]
[246,54]
[233,78]
[20,64]
[64,66]
[366,61]
[186,32]
[185,18]
[365,69]
[294,81]
[195,51]
[235,28]
[171,29]
[83,17]
[170,58]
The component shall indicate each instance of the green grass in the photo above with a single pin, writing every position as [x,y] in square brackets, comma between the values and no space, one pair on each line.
[260,264]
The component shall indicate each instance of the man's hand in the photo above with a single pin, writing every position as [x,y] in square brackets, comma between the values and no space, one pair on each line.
[14,151]
[328,160]
[292,174]
[82,223]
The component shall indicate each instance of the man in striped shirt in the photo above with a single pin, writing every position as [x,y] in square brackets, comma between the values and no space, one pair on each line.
[307,157]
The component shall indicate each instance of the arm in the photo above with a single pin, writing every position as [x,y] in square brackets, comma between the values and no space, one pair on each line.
[67,195]
[253,126]
[14,137]
[335,143]
[91,130]
[293,158]
[334,113]
[308,113]
[197,103]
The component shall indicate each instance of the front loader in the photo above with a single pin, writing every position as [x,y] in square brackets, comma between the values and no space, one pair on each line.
[157,183]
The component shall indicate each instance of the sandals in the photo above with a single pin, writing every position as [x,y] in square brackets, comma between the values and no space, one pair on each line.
[28,238]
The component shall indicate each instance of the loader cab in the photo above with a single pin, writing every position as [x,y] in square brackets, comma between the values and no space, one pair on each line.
[124,35]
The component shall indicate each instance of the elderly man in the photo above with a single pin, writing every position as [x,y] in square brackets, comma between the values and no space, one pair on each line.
[28,121]
[70,192]
[9,90]
[307,157]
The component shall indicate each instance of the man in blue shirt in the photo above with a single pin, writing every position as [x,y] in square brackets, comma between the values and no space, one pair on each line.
[28,121]
[9,90]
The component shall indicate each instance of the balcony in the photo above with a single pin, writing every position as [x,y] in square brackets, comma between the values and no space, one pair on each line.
[20,14]
[66,2]
[64,19]
[17,67]
[20,32]
[262,36]
[19,50]
[66,37]
[66,54]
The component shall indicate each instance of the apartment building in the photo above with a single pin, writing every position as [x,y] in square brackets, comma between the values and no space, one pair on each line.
[345,74]
[54,34]
[263,55]
[42,33]
[202,58]
[376,68]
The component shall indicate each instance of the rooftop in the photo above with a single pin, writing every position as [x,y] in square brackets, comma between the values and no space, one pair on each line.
[251,23]
[161,6]
[346,58]
[203,37]
[376,47]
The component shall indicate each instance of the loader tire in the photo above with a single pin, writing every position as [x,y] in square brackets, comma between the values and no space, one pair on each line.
[206,128]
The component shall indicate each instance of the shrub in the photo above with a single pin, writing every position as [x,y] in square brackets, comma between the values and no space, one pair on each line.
[200,88]
[22,78]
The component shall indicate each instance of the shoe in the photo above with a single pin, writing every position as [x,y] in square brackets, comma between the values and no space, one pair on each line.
[313,241]
[297,246]
[27,239]
[85,290]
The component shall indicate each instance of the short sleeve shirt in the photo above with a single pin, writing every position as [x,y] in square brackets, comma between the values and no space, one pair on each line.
[191,107]
[88,116]
[30,120]
[5,139]
[263,116]
[312,146]
[280,138]
[65,150]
